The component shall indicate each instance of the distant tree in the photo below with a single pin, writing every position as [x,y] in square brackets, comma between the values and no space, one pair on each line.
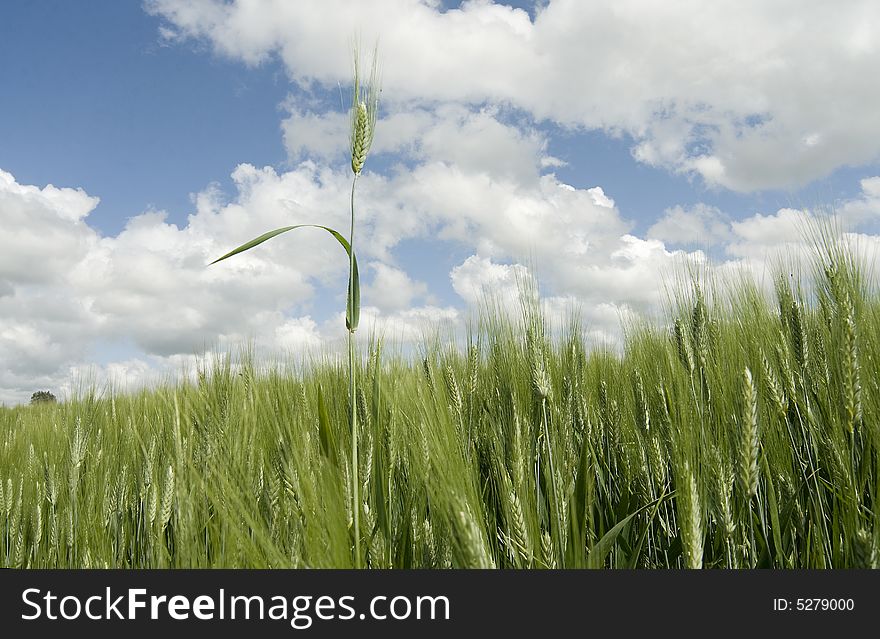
[42,397]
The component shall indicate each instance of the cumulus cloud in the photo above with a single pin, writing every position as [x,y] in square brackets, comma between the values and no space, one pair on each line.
[748,95]
[321,136]
[43,230]
[865,208]
[149,285]
[760,234]
[478,280]
[470,167]
[485,284]
[41,325]
[476,140]
[699,225]
[408,326]
[392,289]
[754,238]
[297,334]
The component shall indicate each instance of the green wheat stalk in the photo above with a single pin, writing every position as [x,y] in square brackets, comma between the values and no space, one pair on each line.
[364,109]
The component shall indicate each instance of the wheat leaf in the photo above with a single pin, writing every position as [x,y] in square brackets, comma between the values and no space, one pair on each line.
[353,299]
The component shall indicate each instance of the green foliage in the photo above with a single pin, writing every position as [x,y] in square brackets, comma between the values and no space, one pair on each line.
[43,397]
[743,434]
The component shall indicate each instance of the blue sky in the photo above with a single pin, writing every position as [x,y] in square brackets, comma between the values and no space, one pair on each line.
[97,101]
[197,124]
[100,102]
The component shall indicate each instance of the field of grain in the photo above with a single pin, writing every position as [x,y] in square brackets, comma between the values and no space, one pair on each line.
[742,432]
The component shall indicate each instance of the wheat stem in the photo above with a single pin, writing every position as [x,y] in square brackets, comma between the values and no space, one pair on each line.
[352,389]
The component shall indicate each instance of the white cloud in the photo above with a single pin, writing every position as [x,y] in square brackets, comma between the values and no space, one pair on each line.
[760,239]
[700,225]
[297,334]
[407,326]
[463,92]
[43,232]
[41,325]
[321,136]
[485,284]
[149,285]
[478,142]
[474,140]
[865,208]
[392,289]
[747,95]
[479,281]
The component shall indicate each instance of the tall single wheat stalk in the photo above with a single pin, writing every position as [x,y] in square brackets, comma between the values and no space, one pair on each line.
[364,108]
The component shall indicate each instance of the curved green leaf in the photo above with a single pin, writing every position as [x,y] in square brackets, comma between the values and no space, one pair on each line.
[353,299]
[598,553]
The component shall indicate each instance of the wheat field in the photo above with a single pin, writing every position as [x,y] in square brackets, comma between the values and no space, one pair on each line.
[740,432]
